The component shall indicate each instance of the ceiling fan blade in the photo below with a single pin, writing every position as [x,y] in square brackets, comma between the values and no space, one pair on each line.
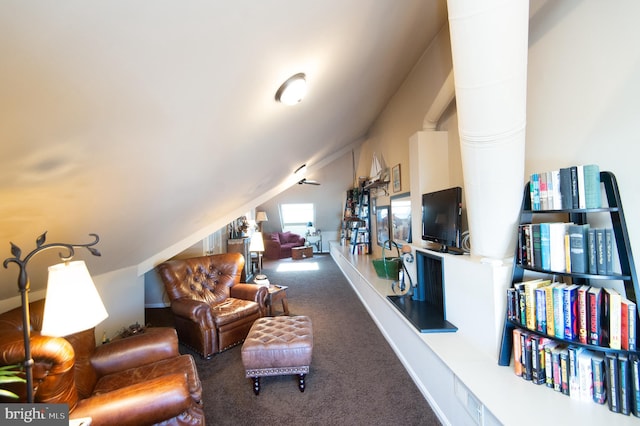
[308,182]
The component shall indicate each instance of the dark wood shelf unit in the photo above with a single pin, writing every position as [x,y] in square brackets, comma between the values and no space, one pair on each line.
[579,216]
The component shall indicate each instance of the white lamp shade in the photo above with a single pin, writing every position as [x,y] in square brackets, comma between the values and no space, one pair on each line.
[72,301]
[256,242]
[261,217]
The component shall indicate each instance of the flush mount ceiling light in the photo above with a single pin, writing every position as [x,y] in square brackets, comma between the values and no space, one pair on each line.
[293,90]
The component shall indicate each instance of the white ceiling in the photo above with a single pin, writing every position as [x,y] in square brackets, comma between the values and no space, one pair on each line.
[145,121]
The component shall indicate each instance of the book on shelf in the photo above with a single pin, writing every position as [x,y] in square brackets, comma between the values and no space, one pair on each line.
[634,367]
[529,290]
[536,242]
[575,196]
[555,189]
[594,298]
[612,382]
[581,187]
[538,375]
[608,247]
[558,310]
[545,244]
[578,240]
[592,190]
[585,374]
[527,366]
[512,300]
[534,189]
[583,314]
[522,246]
[548,291]
[613,313]
[541,309]
[548,361]
[573,372]
[632,325]
[522,304]
[627,324]
[601,252]
[570,310]
[557,250]
[565,188]
[564,370]
[555,365]
[544,196]
[517,352]
[598,373]
[528,233]
[592,248]
[624,379]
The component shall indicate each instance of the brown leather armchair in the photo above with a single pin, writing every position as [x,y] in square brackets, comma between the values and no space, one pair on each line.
[138,380]
[213,311]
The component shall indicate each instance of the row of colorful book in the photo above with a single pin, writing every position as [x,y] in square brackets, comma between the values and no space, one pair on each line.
[576,187]
[579,373]
[581,313]
[566,247]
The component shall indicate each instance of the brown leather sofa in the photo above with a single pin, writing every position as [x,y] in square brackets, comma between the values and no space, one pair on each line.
[213,311]
[138,380]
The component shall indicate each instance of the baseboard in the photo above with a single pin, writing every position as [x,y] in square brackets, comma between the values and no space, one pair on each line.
[156,305]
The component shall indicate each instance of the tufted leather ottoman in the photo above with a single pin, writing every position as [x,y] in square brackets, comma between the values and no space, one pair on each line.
[278,346]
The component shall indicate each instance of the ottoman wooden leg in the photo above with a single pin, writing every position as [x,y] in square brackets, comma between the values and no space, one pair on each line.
[256,385]
[301,384]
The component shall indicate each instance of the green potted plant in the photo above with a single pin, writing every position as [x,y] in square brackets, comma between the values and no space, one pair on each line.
[10,374]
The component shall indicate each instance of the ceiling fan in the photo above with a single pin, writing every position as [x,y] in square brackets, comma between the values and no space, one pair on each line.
[308,182]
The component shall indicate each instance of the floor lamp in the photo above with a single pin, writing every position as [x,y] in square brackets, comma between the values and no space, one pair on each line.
[72,302]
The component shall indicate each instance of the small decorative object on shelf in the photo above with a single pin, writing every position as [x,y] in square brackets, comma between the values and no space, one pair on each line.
[572,318]
[132,330]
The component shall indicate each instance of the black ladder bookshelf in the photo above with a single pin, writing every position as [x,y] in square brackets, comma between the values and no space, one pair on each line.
[579,216]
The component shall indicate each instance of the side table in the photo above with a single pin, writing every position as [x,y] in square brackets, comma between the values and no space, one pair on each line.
[315,240]
[302,252]
[277,293]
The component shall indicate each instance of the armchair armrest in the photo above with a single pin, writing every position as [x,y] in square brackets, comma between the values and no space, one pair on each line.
[251,292]
[53,367]
[194,310]
[153,345]
[271,249]
[149,402]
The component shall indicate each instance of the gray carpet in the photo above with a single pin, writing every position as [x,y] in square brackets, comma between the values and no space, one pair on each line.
[355,377]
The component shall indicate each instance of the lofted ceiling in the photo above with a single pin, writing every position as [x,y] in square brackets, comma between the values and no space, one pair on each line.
[146,121]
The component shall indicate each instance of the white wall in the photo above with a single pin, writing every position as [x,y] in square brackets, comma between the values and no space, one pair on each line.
[583,92]
[329,198]
[122,293]
[582,100]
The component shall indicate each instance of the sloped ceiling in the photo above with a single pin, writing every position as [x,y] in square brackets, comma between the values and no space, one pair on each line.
[145,121]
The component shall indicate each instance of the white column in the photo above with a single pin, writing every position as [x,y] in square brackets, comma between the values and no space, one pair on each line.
[489,41]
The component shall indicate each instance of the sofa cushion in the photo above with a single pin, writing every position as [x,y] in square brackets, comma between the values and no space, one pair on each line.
[284,237]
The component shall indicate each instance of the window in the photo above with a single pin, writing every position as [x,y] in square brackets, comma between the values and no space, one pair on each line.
[295,217]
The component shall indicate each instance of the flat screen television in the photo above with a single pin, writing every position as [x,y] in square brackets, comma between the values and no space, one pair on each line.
[441,217]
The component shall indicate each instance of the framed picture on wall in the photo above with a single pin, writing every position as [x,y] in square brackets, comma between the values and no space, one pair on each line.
[400,218]
[395,177]
[383,230]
